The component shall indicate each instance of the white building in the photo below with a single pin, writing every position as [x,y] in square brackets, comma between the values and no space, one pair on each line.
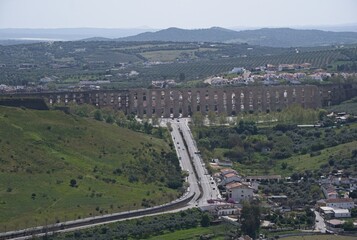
[341,213]
[346,203]
[239,191]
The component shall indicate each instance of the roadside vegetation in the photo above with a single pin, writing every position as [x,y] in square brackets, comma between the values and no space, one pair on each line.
[57,167]
[190,223]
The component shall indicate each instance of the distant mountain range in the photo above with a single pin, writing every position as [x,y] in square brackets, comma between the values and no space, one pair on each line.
[272,37]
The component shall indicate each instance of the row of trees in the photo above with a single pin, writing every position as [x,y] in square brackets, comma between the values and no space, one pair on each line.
[294,114]
[142,228]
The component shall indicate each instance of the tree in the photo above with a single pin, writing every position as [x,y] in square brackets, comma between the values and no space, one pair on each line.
[223,118]
[246,126]
[110,119]
[211,117]
[98,115]
[354,212]
[154,120]
[73,183]
[284,165]
[121,119]
[147,127]
[348,226]
[205,220]
[250,219]
[197,119]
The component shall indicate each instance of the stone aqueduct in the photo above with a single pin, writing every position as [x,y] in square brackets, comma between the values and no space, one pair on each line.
[186,101]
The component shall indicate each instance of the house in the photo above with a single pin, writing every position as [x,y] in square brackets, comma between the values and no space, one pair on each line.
[327,211]
[334,225]
[229,178]
[353,184]
[221,209]
[329,191]
[237,70]
[223,163]
[330,212]
[278,199]
[225,210]
[346,203]
[228,170]
[239,191]
[341,213]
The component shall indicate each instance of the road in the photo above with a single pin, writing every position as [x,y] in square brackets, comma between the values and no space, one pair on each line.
[185,162]
[204,179]
[320,223]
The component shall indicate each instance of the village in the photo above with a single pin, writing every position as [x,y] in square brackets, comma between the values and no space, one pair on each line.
[276,74]
[335,213]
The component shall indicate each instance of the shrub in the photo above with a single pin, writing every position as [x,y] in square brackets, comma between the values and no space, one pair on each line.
[73,183]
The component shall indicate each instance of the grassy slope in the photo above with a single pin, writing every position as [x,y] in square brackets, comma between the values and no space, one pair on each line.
[41,151]
[349,106]
[299,163]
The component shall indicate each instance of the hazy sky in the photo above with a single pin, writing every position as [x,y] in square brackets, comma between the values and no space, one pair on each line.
[174,13]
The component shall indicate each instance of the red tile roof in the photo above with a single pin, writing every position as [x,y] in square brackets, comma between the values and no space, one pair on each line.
[236,185]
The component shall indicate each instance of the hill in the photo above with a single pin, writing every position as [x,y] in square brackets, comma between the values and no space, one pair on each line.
[57,167]
[273,37]
[213,34]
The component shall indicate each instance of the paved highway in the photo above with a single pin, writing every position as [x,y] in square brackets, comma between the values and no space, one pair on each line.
[185,162]
[208,186]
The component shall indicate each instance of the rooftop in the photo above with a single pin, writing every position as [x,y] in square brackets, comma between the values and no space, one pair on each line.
[339,200]
[236,185]
[228,175]
[335,222]
[341,211]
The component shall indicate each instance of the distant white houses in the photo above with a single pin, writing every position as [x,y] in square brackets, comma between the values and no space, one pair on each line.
[237,70]
[164,83]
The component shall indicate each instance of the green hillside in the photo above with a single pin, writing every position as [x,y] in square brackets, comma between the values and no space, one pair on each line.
[272,37]
[111,169]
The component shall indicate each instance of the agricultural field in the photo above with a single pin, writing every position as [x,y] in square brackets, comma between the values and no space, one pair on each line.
[74,61]
[57,167]
[168,55]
